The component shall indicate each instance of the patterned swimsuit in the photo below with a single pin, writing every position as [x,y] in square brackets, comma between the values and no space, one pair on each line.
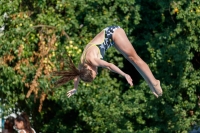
[107,43]
[108,40]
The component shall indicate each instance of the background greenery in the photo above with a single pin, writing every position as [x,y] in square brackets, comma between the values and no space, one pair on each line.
[38,33]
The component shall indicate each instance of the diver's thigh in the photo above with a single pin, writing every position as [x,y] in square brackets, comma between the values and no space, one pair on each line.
[122,43]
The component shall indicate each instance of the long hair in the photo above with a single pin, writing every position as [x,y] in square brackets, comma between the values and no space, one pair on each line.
[24,117]
[67,75]
[11,122]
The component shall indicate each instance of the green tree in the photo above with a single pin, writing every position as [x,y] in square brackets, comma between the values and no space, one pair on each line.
[39,34]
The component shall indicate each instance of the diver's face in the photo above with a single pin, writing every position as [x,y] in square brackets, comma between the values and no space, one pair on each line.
[94,71]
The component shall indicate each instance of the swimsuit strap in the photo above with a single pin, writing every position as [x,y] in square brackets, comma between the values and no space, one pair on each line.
[83,57]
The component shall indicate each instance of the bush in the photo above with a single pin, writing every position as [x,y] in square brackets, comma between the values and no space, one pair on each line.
[39,34]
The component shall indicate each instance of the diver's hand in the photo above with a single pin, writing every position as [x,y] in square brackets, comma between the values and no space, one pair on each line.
[71,92]
[129,79]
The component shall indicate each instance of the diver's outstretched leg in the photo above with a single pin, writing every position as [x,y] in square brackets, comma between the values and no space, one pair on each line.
[125,47]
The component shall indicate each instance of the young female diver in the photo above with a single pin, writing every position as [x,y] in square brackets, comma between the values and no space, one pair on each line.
[92,56]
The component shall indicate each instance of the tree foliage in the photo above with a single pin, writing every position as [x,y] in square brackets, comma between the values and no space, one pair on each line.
[39,34]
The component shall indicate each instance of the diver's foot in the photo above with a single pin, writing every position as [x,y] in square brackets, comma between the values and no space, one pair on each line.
[156,89]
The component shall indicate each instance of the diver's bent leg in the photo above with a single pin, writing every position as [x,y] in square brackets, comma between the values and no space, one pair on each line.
[125,47]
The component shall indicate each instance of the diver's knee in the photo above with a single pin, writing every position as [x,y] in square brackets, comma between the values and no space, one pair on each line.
[134,58]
